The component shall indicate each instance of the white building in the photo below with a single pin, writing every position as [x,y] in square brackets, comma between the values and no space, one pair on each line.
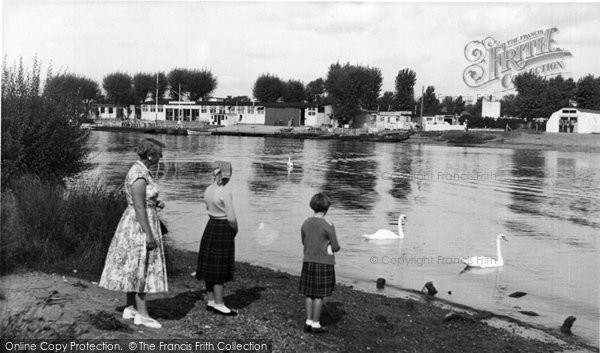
[574,120]
[317,116]
[440,123]
[398,120]
[214,113]
[490,109]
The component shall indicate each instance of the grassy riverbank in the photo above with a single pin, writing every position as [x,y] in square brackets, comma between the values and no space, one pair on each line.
[53,305]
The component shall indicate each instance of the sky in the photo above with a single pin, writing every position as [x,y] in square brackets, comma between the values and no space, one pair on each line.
[239,41]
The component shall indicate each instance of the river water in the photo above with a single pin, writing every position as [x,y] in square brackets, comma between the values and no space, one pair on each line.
[456,199]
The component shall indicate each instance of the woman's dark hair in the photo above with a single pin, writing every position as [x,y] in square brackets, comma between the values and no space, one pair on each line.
[320,202]
[149,147]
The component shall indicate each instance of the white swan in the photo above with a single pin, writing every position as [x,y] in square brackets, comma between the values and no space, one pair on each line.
[388,234]
[487,262]
[290,164]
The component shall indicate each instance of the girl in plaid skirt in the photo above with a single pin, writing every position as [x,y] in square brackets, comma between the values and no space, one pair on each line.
[318,276]
[216,257]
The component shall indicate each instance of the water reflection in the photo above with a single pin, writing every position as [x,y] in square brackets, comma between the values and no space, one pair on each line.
[402,165]
[350,181]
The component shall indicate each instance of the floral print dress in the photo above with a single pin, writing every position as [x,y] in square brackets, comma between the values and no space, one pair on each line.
[129,267]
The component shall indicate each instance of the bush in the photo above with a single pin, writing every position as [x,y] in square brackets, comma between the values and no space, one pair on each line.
[47,227]
[41,132]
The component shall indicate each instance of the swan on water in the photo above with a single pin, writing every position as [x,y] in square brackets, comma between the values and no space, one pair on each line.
[290,164]
[388,234]
[487,262]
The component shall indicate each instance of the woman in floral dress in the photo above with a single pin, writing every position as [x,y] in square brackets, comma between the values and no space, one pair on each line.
[135,262]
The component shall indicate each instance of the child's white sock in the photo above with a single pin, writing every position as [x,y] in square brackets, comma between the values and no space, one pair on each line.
[309,322]
[211,303]
[316,324]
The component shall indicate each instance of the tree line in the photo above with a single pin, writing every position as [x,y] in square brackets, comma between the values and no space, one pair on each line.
[350,89]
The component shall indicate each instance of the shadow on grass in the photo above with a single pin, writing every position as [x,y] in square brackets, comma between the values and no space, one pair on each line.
[332,313]
[174,308]
[241,298]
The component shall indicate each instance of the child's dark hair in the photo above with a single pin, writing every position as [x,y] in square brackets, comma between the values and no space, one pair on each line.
[320,202]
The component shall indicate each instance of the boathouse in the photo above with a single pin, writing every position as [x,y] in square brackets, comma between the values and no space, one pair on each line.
[229,113]
[397,120]
[574,120]
[214,113]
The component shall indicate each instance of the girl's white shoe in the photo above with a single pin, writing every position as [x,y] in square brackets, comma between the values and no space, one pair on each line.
[146,321]
[129,313]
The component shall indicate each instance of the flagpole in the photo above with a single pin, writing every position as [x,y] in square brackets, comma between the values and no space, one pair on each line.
[156,103]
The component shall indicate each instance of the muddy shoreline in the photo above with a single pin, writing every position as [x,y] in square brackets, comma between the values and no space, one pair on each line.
[270,308]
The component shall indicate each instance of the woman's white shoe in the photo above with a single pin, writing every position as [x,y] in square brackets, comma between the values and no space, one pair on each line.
[129,313]
[146,321]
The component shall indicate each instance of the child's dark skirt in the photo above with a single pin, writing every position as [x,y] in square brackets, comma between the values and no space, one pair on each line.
[216,257]
[317,280]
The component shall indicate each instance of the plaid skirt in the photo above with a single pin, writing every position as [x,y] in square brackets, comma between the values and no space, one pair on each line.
[317,280]
[216,257]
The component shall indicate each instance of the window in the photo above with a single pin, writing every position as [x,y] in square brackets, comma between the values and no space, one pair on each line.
[203,109]
[160,108]
[152,108]
[169,114]
[260,110]
[102,110]
[250,110]
[213,110]
[311,111]
[221,110]
[195,114]
[110,110]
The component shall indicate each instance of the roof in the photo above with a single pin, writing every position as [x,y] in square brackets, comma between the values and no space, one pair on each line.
[587,110]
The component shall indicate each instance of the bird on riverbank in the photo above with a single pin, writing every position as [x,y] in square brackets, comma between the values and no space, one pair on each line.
[388,234]
[487,262]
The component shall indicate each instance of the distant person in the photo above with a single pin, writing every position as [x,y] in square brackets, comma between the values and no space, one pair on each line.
[135,262]
[216,257]
[318,275]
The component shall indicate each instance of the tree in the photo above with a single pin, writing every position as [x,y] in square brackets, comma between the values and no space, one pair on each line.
[144,83]
[474,110]
[315,91]
[405,89]
[508,106]
[587,93]
[67,86]
[459,106]
[447,105]
[431,104]
[237,99]
[294,91]
[268,88]
[41,134]
[386,102]
[558,94]
[531,95]
[352,89]
[118,87]
[195,83]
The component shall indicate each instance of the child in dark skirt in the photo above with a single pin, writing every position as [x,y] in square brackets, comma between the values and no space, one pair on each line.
[318,276]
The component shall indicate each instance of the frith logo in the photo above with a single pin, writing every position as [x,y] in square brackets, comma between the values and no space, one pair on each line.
[494,62]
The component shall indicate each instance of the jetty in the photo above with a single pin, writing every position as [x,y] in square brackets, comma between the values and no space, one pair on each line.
[313,133]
